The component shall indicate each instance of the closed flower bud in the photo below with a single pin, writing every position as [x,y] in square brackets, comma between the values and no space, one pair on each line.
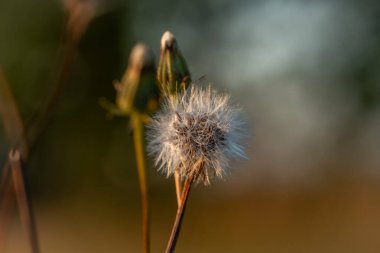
[138,90]
[172,73]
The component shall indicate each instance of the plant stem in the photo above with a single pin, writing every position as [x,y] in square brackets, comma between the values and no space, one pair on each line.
[138,136]
[23,200]
[39,121]
[179,217]
[177,182]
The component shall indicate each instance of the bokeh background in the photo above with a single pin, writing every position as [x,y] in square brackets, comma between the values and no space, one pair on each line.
[306,73]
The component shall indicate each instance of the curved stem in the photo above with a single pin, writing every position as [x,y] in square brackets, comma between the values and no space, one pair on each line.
[138,136]
[179,217]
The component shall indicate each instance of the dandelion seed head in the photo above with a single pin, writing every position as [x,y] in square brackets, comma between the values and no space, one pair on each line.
[196,132]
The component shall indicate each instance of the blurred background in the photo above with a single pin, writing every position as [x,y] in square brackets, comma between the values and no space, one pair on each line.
[306,73]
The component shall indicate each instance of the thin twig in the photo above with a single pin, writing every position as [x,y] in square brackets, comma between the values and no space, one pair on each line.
[179,217]
[18,134]
[37,123]
[23,200]
[15,132]
[138,135]
[14,127]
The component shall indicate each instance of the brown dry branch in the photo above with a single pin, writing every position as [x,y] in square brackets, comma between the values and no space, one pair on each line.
[23,199]
[10,115]
[15,132]
[78,18]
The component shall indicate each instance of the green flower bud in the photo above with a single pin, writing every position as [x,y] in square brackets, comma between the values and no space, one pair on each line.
[172,72]
[138,90]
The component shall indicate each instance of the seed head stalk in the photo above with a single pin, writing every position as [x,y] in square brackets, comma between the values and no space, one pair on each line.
[178,186]
[138,136]
[195,133]
[179,217]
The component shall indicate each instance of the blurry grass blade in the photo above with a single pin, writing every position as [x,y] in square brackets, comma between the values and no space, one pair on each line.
[138,90]
[173,72]
[10,115]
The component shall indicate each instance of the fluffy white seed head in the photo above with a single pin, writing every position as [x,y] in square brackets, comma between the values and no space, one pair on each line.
[196,132]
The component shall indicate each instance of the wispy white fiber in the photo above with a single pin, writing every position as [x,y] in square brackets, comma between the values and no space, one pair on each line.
[196,132]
